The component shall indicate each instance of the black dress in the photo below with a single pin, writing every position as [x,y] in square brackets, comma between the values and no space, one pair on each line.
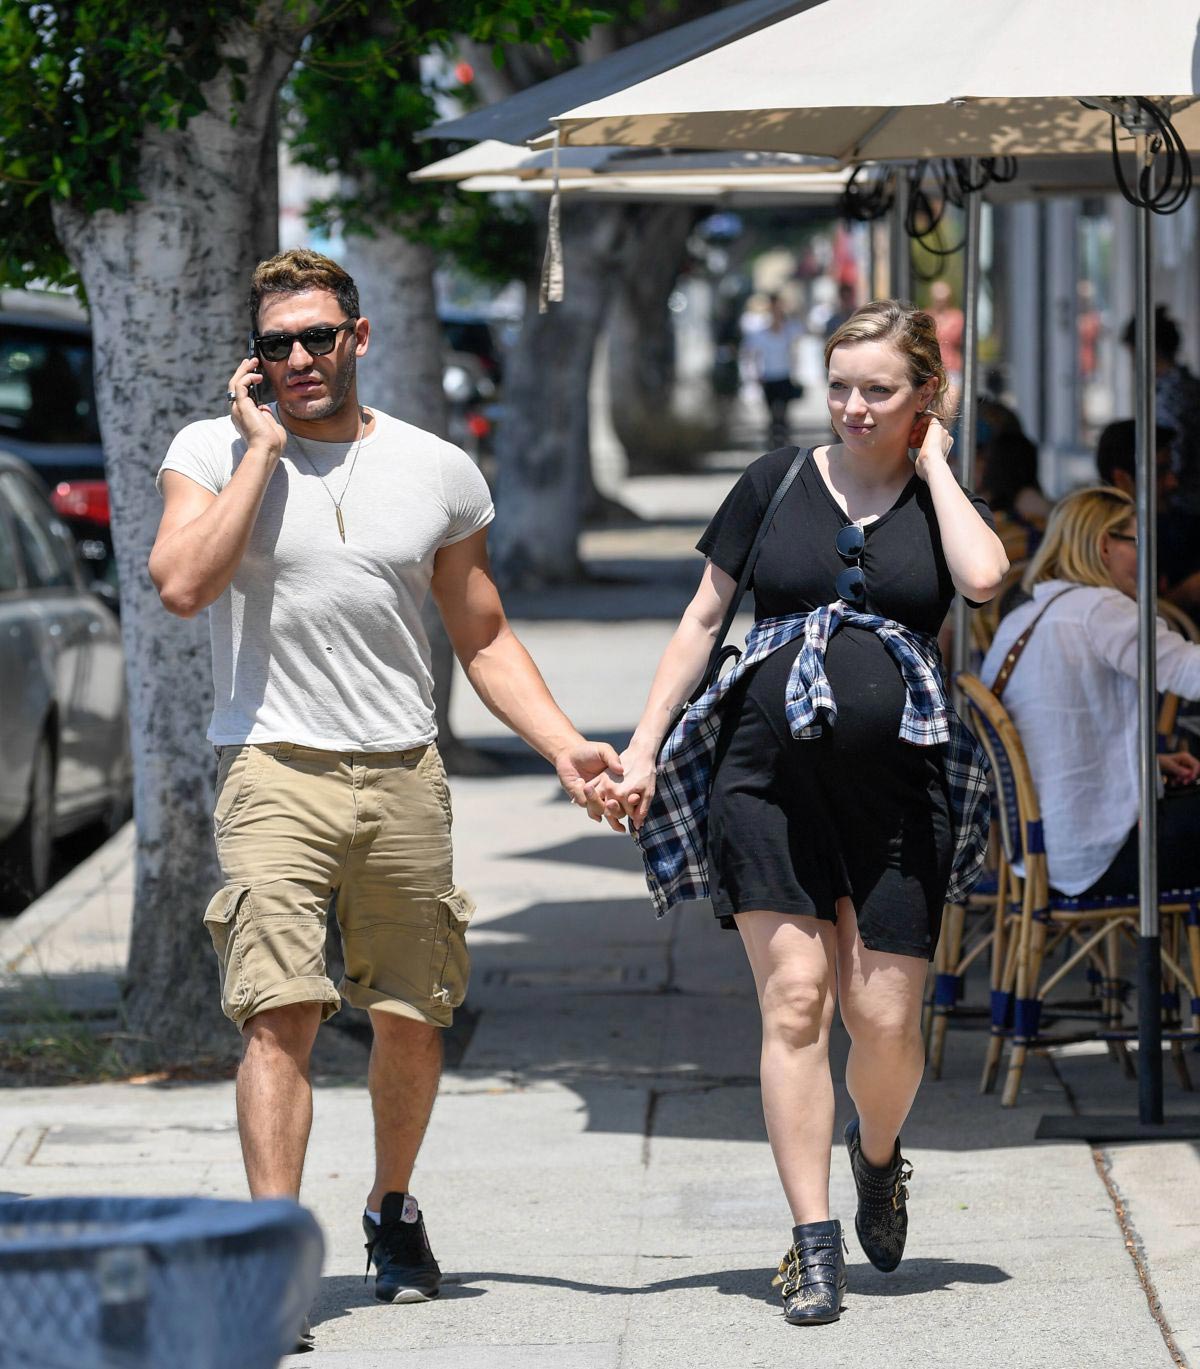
[796,825]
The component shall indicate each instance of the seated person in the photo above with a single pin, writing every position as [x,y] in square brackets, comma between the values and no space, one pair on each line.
[1073,695]
[1178,533]
[1008,480]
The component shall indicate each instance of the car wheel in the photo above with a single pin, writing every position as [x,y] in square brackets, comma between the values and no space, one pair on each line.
[25,857]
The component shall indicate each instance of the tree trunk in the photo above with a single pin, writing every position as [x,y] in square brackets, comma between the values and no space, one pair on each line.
[641,342]
[166,284]
[543,457]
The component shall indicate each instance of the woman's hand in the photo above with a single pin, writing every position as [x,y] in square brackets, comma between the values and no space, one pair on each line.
[932,439]
[628,796]
[1179,767]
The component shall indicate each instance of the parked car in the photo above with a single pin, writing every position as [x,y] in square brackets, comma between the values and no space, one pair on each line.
[64,730]
[48,416]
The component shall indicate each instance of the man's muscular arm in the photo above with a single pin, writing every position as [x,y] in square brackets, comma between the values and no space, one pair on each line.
[503,673]
[202,536]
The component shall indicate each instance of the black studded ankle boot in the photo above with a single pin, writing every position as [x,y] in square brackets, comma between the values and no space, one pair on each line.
[812,1275]
[882,1217]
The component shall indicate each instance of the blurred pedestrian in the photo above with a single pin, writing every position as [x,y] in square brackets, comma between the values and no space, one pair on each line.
[769,353]
[1177,406]
[1008,480]
[846,305]
[1178,546]
[823,793]
[948,320]
[314,529]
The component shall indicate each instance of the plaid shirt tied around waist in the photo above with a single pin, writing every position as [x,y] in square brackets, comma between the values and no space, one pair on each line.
[674,837]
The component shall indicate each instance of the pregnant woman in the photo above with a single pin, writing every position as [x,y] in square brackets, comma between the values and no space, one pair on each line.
[822,793]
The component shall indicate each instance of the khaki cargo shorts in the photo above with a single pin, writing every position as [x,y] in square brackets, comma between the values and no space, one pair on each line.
[295,826]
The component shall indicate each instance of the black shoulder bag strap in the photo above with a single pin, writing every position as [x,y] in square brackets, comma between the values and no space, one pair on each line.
[720,652]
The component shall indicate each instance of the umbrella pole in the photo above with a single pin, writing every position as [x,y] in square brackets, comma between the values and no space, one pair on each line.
[1149,967]
[970,394]
[900,263]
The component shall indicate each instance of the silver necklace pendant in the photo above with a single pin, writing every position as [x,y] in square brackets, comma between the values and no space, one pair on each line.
[341,525]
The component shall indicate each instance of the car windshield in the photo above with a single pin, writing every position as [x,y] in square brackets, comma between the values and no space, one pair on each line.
[46,385]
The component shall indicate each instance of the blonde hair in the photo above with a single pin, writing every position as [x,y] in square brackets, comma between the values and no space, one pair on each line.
[914,335]
[1071,548]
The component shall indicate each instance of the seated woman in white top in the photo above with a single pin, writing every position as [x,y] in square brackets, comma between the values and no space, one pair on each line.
[1073,695]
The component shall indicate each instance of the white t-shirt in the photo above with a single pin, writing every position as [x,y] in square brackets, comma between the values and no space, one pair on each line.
[1074,698]
[770,351]
[317,642]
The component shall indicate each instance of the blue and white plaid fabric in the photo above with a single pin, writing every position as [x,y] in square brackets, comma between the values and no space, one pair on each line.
[674,837]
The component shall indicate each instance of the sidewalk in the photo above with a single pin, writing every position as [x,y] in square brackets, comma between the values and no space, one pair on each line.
[596,1177]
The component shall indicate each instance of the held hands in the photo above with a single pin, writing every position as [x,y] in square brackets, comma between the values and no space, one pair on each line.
[255,422]
[583,761]
[626,794]
[933,442]
[1179,767]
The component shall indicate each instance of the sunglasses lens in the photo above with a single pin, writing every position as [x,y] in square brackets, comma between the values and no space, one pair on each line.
[851,585]
[274,347]
[850,540]
[318,342]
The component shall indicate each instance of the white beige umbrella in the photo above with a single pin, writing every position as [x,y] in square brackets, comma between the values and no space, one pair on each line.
[857,80]
[986,79]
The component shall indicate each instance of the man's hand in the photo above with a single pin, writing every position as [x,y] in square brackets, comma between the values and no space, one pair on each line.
[627,794]
[583,761]
[255,422]
[1179,767]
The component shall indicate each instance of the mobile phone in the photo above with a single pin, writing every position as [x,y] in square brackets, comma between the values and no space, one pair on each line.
[254,391]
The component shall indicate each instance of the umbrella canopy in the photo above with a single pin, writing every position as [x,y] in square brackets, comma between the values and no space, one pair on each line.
[730,189]
[941,81]
[505,159]
[493,158]
[527,114]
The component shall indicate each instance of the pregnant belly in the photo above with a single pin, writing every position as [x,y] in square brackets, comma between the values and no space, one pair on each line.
[866,685]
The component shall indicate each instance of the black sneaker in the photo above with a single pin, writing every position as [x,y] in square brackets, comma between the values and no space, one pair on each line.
[882,1217]
[405,1270]
[305,1341]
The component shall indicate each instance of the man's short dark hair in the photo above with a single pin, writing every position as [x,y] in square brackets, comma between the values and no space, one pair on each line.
[299,269]
[1166,334]
[1116,450]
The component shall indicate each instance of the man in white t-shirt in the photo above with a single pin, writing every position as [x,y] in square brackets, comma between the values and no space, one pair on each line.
[313,530]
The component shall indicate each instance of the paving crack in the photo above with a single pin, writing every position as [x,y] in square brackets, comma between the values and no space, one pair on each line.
[1102,1159]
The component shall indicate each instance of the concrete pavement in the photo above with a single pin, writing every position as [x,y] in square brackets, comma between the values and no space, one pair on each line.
[596,1178]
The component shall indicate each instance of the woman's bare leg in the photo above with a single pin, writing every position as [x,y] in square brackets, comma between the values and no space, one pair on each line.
[793,961]
[880,997]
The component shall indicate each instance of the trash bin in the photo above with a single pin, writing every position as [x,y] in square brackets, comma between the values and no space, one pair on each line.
[154,1283]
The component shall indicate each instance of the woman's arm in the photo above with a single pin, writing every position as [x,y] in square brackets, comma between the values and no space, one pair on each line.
[974,554]
[1112,627]
[677,675]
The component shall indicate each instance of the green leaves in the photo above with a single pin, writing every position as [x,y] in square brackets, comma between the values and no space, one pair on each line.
[80,83]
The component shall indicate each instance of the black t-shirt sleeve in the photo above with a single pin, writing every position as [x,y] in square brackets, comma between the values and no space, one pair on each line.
[730,535]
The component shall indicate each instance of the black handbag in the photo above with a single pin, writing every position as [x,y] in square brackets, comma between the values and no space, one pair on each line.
[720,652]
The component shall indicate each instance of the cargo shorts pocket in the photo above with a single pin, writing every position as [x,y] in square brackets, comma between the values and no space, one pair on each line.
[222,920]
[433,772]
[455,911]
[237,771]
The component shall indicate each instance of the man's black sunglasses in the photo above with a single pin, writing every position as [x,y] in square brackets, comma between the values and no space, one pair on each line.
[851,584]
[317,342]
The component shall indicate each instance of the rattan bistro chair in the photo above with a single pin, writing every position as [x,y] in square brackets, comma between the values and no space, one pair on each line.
[1033,922]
